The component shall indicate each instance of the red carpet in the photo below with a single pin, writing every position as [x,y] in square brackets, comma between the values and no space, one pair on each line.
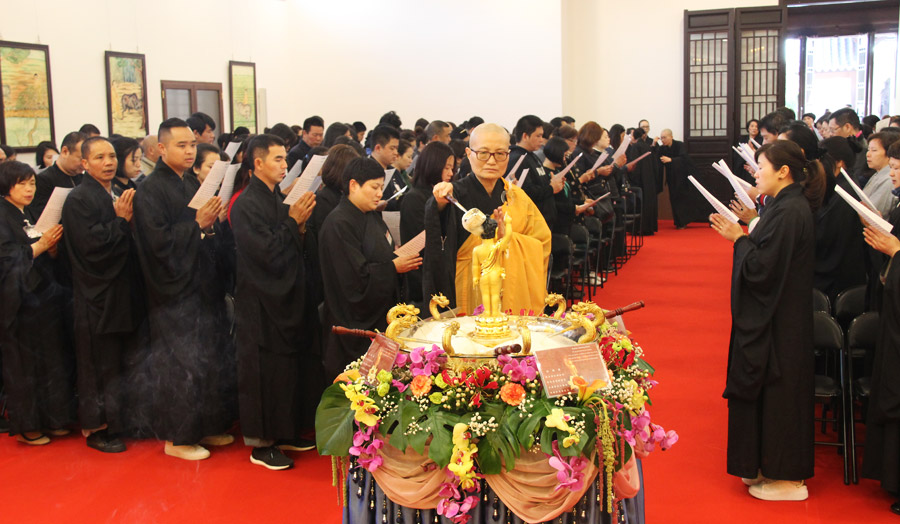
[683,276]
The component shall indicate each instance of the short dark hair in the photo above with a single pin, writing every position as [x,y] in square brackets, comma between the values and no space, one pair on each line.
[313,121]
[750,122]
[475,121]
[638,132]
[555,150]
[527,125]
[845,116]
[89,142]
[430,165]
[344,140]
[334,130]
[359,126]
[403,146]
[871,120]
[566,132]
[259,147]
[421,123]
[392,119]
[89,129]
[11,173]
[894,151]
[803,136]
[202,117]
[202,151]
[787,113]
[887,137]
[435,128]
[556,121]
[811,115]
[10,152]
[333,169]
[125,147]
[71,140]
[41,150]
[772,123]
[285,133]
[362,170]
[241,130]
[382,134]
[167,126]
[839,149]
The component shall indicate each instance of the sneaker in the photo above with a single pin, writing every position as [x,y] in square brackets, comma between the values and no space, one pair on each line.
[302,444]
[217,440]
[103,441]
[780,490]
[271,458]
[754,481]
[187,452]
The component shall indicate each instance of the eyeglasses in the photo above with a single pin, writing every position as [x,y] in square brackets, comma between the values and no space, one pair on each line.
[499,156]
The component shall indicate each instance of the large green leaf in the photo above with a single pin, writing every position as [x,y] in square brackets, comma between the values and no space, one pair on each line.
[530,424]
[440,425]
[334,422]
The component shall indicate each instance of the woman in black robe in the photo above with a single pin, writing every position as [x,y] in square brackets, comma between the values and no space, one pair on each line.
[359,268]
[36,371]
[769,385]
[882,452]
[436,163]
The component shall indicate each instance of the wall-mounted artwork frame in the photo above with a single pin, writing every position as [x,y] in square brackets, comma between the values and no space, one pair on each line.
[126,94]
[242,93]
[26,110]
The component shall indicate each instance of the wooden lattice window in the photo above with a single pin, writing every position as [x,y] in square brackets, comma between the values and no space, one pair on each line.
[708,84]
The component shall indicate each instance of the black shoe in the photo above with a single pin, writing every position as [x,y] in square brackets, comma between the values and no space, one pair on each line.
[103,441]
[270,457]
[302,444]
[4,425]
[895,507]
[680,227]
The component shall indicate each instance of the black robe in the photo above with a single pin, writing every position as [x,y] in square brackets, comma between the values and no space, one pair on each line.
[445,234]
[45,182]
[882,451]
[298,153]
[119,187]
[840,247]
[187,375]
[644,177]
[536,184]
[36,361]
[279,359]
[687,203]
[399,180]
[770,384]
[108,300]
[412,222]
[359,279]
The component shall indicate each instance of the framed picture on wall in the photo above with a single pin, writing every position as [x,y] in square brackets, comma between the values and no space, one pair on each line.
[242,87]
[126,94]
[26,112]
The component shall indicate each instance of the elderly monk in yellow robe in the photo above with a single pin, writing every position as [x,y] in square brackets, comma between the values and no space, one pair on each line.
[448,249]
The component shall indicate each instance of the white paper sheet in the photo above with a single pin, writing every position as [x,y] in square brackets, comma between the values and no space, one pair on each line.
[748,156]
[413,247]
[719,207]
[755,143]
[867,214]
[622,147]
[227,190]
[304,183]
[856,189]
[636,160]
[522,178]
[232,148]
[568,167]
[516,165]
[398,193]
[392,220]
[723,168]
[291,175]
[53,210]
[210,185]
[602,158]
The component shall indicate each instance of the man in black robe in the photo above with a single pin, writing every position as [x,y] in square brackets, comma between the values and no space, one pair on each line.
[385,141]
[277,321]
[359,268]
[642,174]
[675,165]
[107,294]
[65,172]
[180,367]
[313,133]
[538,184]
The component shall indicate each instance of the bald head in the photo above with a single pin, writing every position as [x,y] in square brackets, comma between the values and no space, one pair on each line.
[488,138]
[487,131]
[666,137]
[148,147]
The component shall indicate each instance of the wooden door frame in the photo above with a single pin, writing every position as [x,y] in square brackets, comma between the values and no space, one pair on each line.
[192,87]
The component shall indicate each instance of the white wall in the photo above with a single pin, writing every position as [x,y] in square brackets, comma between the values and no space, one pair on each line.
[342,59]
[624,61]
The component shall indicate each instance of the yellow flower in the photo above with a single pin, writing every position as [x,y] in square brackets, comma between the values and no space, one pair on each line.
[571,439]
[363,406]
[557,419]
[460,435]
[348,376]
[585,390]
